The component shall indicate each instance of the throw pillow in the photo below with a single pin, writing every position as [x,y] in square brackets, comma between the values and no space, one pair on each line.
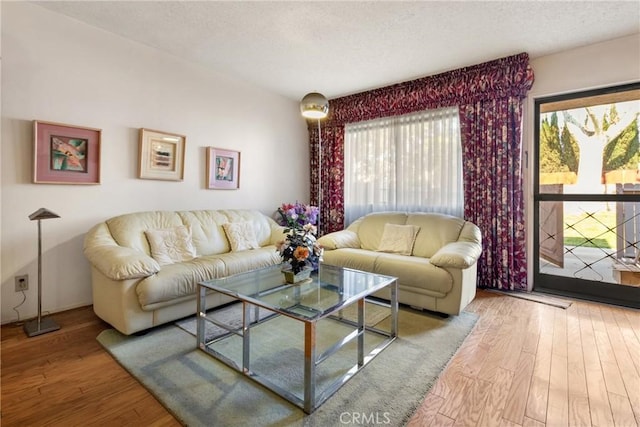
[398,239]
[241,236]
[171,245]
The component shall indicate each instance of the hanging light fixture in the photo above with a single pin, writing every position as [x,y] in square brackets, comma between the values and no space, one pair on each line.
[316,106]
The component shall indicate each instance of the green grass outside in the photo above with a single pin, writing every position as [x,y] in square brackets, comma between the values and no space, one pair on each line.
[591,227]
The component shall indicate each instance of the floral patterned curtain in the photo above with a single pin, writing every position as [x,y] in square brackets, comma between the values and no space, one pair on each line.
[489,97]
[493,194]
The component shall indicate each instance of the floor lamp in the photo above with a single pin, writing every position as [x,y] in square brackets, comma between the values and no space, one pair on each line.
[39,326]
[315,106]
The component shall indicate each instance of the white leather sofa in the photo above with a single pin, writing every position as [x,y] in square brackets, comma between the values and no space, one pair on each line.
[433,256]
[145,266]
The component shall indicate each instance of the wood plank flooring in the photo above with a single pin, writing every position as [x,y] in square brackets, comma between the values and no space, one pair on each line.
[524,364]
[531,364]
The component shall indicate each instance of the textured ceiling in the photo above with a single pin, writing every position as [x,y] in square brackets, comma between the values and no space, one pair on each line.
[339,48]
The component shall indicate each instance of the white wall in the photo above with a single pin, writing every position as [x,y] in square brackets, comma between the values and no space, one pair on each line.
[60,70]
[598,65]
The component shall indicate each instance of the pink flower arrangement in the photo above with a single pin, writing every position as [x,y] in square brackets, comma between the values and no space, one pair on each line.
[299,248]
[298,214]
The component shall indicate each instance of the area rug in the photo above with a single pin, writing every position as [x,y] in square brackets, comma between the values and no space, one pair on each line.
[200,391]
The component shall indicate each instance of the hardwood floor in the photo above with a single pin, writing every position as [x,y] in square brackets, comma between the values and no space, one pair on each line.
[524,364]
[531,364]
[65,378]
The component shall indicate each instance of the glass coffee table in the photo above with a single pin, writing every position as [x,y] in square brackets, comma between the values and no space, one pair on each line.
[300,341]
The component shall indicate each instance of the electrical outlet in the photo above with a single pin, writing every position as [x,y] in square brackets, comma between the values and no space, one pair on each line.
[22,283]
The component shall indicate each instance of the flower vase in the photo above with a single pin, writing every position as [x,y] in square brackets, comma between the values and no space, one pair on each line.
[297,278]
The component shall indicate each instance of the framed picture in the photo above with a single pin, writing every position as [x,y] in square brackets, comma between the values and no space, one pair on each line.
[66,154]
[223,169]
[161,155]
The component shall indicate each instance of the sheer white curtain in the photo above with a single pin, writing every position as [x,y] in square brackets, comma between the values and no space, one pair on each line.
[404,163]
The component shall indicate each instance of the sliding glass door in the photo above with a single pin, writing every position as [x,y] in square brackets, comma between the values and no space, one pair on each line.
[587,195]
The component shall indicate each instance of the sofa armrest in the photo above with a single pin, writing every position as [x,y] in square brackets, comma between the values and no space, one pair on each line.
[121,263]
[114,261]
[457,255]
[339,239]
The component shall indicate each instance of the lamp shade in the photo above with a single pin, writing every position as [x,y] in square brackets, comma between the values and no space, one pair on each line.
[314,106]
[43,213]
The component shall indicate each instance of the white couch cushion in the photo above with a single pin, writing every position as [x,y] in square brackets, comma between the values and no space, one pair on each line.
[206,227]
[209,236]
[240,235]
[371,227]
[436,231]
[358,259]
[181,279]
[177,280]
[128,229]
[398,239]
[171,245]
[415,272]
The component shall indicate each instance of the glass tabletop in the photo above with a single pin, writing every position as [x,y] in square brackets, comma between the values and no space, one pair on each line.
[329,289]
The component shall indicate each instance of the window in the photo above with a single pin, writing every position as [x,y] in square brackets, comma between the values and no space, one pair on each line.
[405,163]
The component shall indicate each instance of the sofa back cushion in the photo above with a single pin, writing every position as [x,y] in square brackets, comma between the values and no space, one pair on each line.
[371,228]
[436,230]
[209,236]
[129,229]
[207,231]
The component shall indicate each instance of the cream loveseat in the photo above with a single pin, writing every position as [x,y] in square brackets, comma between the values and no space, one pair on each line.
[145,266]
[432,255]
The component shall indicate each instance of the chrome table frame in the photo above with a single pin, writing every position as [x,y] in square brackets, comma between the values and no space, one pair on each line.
[311,400]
